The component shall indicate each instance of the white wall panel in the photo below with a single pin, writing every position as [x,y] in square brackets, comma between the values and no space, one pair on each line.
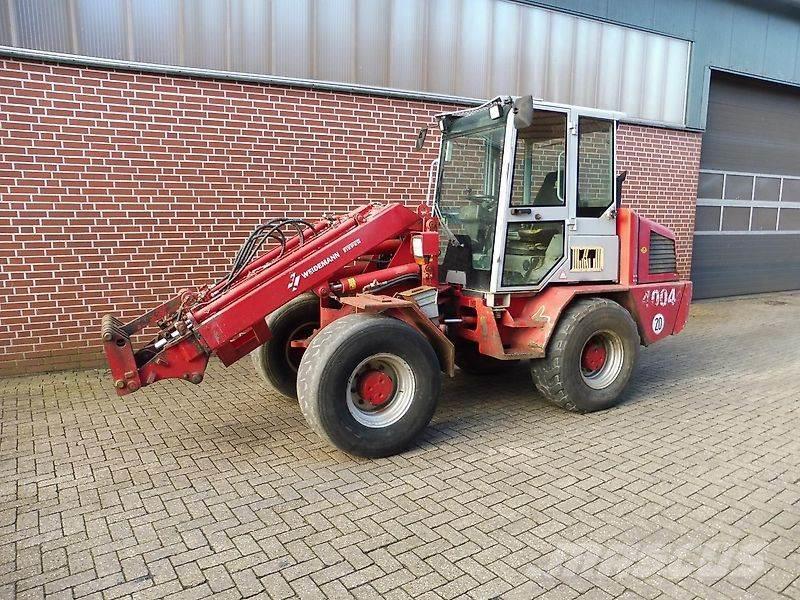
[406,44]
[676,71]
[210,17]
[534,56]
[654,85]
[442,19]
[156,32]
[472,56]
[505,47]
[609,69]
[586,68]
[561,63]
[372,47]
[335,43]
[102,28]
[43,25]
[291,38]
[250,23]
[457,48]
[633,65]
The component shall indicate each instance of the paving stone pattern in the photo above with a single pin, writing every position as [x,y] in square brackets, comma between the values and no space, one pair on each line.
[690,489]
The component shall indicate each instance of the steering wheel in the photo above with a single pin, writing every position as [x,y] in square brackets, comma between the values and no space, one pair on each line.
[482,200]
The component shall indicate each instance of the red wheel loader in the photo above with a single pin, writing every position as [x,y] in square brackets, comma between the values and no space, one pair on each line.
[520,251]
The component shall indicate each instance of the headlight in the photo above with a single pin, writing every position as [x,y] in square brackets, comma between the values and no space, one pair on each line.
[416,247]
[424,246]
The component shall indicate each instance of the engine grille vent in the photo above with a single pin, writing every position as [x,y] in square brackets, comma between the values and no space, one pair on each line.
[662,254]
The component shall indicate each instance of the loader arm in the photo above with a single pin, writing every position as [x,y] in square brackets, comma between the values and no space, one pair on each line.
[228,319]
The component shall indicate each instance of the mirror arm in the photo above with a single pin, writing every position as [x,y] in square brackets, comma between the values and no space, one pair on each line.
[432,177]
[620,179]
[421,135]
[523,112]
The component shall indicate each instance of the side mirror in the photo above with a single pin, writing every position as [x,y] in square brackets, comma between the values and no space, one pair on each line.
[619,181]
[421,135]
[523,112]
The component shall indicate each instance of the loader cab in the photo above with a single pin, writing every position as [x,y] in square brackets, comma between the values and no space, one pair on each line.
[526,196]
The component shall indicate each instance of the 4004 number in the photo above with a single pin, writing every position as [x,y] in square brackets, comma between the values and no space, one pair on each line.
[660,297]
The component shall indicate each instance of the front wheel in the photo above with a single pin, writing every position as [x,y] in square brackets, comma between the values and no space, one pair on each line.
[590,357]
[277,360]
[369,384]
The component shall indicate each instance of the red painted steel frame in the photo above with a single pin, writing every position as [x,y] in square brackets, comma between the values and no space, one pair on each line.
[523,330]
[232,324]
[342,253]
[658,303]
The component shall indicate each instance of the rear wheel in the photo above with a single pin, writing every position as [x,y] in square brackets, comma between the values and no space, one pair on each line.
[277,360]
[590,357]
[369,384]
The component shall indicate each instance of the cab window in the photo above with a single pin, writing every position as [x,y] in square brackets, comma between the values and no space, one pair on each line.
[540,161]
[532,250]
[595,166]
[468,196]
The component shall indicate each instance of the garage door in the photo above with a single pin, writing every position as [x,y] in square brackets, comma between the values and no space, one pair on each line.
[747,235]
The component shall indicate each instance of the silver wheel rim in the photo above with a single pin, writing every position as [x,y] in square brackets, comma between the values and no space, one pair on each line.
[615,356]
[405,386]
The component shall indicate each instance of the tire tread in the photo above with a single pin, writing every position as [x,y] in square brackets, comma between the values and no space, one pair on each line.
[260,362]
[546,372]
[336,343]
[314,362]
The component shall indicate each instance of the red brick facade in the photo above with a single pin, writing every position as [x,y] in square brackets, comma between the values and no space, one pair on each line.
[118,188]
[662,167]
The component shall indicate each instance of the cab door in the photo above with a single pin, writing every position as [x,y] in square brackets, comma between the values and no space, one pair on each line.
[593,245]
[595,197]
[539,191]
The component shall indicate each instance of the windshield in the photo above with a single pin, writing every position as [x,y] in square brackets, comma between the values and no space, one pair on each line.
[467,196]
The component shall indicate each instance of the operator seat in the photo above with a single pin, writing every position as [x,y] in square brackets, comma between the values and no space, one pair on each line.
[458,258]
[548,194]
[555,250]
[553,254]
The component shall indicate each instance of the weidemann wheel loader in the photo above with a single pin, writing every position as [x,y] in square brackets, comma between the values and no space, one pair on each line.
[521,251]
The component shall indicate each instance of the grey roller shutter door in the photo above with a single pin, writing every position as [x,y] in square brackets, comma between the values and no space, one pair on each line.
[752,126]
[745,241]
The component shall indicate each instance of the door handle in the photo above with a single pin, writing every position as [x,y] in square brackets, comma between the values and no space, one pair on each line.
[520,211]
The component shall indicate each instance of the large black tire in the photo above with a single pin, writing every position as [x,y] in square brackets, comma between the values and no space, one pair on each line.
[469,360]
[276,361]
[329,384]
[568,376]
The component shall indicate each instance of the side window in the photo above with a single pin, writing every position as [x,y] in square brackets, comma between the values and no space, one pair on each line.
[595,166]
[532,250]
[540,161]
[469,191]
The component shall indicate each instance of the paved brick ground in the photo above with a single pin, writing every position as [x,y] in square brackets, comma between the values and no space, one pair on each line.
[689,489]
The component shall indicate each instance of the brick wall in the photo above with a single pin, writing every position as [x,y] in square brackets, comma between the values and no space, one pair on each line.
[118,188]
[662,167]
